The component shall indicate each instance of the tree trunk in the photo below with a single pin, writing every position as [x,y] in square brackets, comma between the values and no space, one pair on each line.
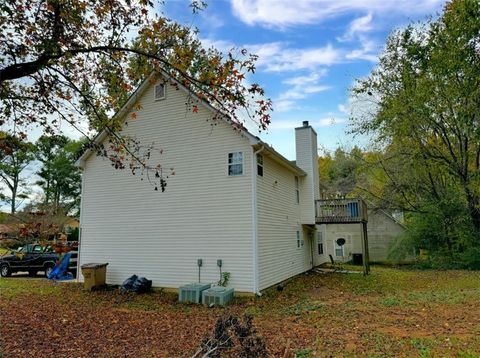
[12,208]
[472,209]
[14,199]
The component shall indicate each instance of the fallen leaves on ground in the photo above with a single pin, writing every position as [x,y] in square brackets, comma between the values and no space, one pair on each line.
[392,313]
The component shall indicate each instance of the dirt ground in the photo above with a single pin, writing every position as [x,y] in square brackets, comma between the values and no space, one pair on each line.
[391,313]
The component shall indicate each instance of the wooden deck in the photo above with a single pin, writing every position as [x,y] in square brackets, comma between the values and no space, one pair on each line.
[340,211]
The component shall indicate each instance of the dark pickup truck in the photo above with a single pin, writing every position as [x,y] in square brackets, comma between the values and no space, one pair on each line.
[31,258]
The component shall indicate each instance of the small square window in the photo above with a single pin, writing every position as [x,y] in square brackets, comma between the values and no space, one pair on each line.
[260,165]
[159,91]
[235,163]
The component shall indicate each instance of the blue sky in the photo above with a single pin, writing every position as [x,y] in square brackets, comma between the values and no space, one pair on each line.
[311,52]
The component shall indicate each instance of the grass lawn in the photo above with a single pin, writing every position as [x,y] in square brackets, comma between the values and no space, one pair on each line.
[391,313]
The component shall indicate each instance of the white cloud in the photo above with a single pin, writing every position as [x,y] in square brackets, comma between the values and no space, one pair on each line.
[279,57]
[368,51]
[283,106]
[282,57]
[284,13]
[326,122]
[358,105]
[294,123]
[299,92]
[311,78]
[358,26]
[220,45]
[300,87]
[356,32]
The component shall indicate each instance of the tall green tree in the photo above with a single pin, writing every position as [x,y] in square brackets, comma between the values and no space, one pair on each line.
[425,96]
[15,156]
[339,172]
[60,179]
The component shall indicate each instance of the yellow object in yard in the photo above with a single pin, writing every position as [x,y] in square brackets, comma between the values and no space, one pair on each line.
[423,255]
[94,275]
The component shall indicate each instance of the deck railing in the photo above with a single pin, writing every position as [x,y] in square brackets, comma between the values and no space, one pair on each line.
[340,211]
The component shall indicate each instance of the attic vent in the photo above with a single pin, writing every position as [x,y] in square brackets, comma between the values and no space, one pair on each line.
[159,91]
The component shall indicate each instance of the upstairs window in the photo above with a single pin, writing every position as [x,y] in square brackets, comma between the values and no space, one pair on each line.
[159,91]
[260,165]
[297,191]
[235,163]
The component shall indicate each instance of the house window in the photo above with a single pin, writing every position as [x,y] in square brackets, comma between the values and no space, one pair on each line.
[260,165]
[159,91]
[320,242]
[297,191]
[338,249]
[235,163]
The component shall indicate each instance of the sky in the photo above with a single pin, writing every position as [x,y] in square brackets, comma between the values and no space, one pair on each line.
[310,54]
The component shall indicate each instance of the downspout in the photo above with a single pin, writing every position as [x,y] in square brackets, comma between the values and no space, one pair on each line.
[82,192]
[255,222]
[312,245]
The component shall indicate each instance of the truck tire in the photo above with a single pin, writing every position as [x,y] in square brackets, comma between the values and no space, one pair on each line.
[48,269]
[5,271]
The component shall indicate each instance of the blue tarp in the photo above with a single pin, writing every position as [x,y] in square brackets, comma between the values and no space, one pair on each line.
[59,272]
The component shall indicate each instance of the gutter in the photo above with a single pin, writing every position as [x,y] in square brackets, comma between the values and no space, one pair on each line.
[255,222]
[79,250]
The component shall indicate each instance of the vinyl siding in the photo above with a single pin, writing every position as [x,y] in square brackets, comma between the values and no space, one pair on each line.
[278,221]
[352,233]
[204,213]
[382,231]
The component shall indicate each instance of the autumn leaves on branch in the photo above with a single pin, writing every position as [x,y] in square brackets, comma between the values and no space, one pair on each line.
[77,62]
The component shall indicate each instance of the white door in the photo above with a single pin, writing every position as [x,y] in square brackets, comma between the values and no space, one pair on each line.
[319,246]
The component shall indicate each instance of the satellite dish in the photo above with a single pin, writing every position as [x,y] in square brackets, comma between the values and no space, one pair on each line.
[341,241]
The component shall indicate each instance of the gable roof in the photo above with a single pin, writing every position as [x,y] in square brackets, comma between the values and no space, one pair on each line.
[255,141]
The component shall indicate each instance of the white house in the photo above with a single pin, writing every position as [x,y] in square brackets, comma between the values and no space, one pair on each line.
[233,198]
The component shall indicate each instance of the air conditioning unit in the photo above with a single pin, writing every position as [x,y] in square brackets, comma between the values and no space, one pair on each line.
[217,296]
[192,292]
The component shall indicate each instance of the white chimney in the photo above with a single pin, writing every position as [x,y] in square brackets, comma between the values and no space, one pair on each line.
[307,159]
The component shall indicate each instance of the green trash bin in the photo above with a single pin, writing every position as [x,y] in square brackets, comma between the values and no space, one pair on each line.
[94,275]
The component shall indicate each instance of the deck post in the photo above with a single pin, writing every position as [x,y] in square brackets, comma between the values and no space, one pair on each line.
[366,256]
